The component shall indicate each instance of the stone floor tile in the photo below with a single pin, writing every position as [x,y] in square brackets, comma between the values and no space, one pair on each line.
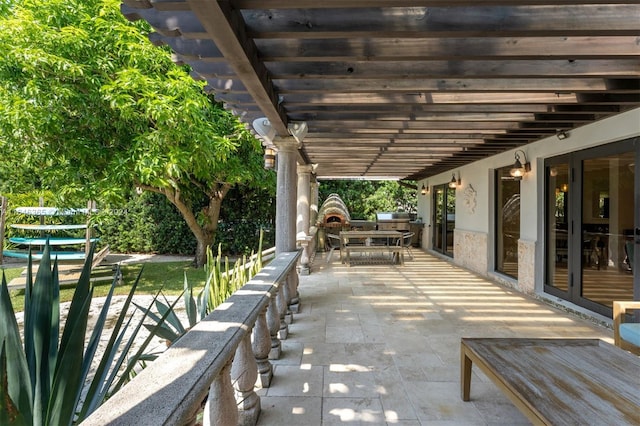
[296,381]
[352,411]
[290,411]
[344,334]
[441,401]
[349,381]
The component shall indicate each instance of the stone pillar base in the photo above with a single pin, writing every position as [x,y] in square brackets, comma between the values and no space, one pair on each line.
[304,270]
[275,351]
[283,333]
[264,379]
[249,410]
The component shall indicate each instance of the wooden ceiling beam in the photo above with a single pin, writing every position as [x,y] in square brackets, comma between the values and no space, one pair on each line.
[380,49]
[181,5]
[476,21]
[337,4]
[387,69]
[478,85]
[419,98]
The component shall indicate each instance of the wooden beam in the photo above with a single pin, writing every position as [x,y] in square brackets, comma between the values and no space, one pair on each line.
[225,28]
[423,68]
[379,48]
[480,21]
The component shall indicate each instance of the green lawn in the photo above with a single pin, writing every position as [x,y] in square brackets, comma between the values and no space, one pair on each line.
[168,276]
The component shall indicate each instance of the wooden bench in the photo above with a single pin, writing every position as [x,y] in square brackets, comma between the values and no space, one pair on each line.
[395,252]
[559,381]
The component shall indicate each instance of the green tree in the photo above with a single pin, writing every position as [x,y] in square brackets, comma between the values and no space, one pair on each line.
[91,108]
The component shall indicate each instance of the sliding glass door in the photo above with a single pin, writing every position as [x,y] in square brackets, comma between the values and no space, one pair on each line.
[592,226]
[507,222]
[444,218]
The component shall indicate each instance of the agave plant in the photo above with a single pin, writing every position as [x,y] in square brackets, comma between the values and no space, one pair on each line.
[220,283]
[42,380]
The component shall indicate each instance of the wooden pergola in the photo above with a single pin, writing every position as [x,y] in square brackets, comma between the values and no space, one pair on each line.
[407,89]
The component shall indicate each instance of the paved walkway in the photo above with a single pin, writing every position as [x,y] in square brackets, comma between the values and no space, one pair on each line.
[378,345]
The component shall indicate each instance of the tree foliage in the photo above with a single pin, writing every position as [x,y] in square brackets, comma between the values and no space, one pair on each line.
[90,108]
[364,198]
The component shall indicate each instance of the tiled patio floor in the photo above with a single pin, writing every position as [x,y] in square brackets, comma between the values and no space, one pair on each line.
[379,344]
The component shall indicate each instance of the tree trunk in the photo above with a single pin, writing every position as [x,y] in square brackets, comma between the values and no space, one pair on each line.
[201,250]
[205,235]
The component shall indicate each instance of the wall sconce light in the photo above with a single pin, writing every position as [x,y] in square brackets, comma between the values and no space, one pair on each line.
[269,158]
[454,183]
[424,190]
[562,135]
[519,170]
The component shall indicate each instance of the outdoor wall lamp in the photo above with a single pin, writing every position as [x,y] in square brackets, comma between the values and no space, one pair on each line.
[454,183]
[269,158]
[424,190]
[519,169]
[562,135]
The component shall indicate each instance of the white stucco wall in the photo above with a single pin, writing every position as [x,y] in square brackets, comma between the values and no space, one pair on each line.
[478,175]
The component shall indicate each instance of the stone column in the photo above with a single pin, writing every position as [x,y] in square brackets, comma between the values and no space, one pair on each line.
[286,193]
[303,214]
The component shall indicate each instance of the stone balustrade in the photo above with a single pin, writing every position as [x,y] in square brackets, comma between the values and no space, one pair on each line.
[216,364]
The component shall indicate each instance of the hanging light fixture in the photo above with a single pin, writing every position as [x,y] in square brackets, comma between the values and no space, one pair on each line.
[269,158]
[454,183]
[519,170]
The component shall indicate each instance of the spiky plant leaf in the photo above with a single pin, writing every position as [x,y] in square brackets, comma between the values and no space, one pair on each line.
[40,313]
[172,318]
[96,393]
[82,290]
[189,303]
[124,376]
[16,381]
[68,378]
[28,327]
[9,412]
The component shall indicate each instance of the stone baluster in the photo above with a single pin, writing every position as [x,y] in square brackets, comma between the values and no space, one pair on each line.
[244,372]
[294,300]
[261,346]
[283,307]
[221,408]
[273,322]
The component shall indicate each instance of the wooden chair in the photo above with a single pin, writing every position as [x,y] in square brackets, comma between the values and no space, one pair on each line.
[626,335]
[333,242]
[406,243]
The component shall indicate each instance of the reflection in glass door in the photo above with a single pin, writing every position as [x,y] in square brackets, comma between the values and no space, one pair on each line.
[557,218]
[507,222]
[607,228]
[590,225]
[444,218]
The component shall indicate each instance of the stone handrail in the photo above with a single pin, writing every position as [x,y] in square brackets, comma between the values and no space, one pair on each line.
[215,362]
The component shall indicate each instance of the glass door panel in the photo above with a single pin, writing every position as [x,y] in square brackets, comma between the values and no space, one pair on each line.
[607,228]
[444,218]
[438,218]
[558,226]
[507,222]
[450,219]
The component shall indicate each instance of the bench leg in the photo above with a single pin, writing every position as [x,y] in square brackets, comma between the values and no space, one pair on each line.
[465,375]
